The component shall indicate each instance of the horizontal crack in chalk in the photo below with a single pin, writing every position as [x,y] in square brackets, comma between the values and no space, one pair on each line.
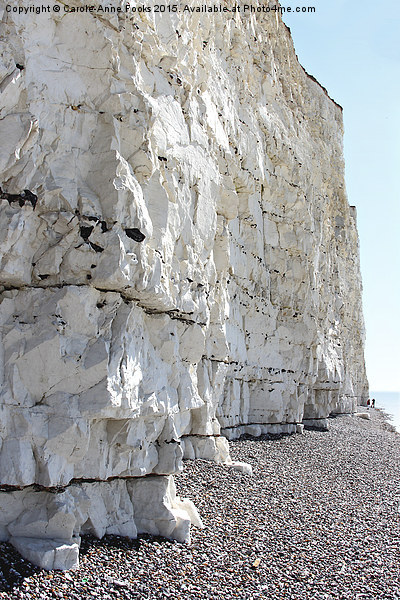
[172,313]
[265,423]
[60,489]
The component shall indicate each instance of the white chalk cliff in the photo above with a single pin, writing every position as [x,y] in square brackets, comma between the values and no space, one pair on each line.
[179,263]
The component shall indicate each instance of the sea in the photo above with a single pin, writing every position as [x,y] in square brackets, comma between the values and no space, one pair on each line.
[390,402]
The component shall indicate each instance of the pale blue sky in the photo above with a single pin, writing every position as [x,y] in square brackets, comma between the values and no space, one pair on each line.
[353,48]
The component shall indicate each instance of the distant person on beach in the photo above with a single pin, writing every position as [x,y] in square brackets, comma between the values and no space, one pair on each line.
[368,403]
[373,403]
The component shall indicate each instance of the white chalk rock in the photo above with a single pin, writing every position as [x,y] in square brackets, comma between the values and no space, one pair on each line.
[241,467]
[363,415]
[178,264]
[48,554]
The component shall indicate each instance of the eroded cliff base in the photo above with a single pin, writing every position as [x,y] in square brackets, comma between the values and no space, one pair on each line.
[316,516]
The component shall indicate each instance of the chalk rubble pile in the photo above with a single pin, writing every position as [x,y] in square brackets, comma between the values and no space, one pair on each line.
[179,263]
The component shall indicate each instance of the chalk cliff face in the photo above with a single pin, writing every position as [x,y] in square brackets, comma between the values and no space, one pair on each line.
[179,263]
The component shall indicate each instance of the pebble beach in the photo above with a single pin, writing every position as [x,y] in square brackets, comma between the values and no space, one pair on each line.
[319,519]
